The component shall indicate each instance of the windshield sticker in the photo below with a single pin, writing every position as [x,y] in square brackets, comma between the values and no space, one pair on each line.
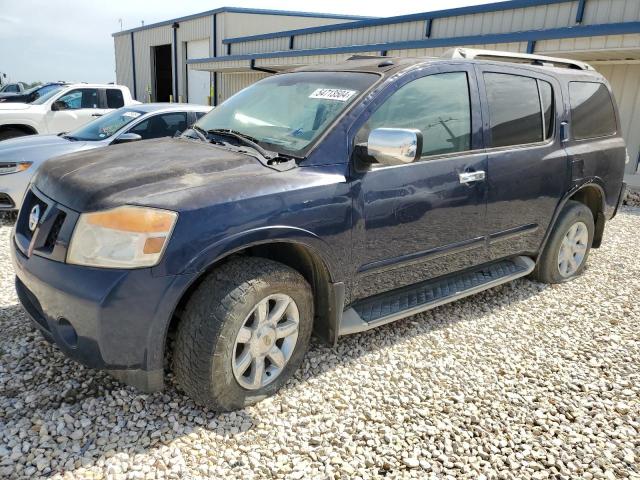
[336,94]
[131,114]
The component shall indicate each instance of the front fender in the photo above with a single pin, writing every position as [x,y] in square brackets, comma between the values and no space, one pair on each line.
[260,236]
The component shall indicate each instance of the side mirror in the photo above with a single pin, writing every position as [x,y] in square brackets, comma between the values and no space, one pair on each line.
[127,138]
[394,146]
[58,105]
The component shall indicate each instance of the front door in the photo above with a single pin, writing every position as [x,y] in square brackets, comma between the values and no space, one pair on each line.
[422,220]
[77,107]
[527,163]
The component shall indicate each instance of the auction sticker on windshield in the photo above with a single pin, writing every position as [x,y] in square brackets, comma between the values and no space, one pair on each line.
[336,94]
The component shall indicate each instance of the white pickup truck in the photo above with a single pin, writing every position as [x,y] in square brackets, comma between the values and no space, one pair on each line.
[61,109]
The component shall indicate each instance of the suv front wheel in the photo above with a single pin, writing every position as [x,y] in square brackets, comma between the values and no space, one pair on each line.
[565,255]
[244,333]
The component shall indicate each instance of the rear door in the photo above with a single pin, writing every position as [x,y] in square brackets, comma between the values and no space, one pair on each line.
[527,164]
[420,220]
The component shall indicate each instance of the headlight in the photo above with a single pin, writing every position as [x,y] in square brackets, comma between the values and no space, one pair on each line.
[13,167]
[125,237]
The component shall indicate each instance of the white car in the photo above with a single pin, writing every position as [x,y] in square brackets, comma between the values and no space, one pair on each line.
[61,109]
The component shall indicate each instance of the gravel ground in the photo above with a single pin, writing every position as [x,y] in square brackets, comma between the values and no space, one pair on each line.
[523,381]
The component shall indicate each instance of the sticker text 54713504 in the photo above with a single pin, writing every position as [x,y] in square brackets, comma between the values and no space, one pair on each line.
[336,94]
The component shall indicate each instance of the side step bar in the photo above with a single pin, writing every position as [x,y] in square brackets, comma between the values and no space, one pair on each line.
[404,302]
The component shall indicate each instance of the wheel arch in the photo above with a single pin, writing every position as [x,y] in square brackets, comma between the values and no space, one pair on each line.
[328,294]
[28,129]
[591,194]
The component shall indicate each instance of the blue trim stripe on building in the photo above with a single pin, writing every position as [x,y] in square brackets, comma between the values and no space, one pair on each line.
[214,100]
[257,11]
[531,46]
[133,66]
[427,27]
[452,12]
[580,12]
[524,36]
[175,27]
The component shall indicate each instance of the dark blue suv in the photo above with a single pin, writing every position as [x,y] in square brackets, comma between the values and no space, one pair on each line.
[332,199]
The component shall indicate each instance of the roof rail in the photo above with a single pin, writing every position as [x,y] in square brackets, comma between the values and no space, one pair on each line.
[541,60]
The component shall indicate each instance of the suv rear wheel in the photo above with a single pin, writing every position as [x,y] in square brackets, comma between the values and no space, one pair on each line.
[244,333]
[565,255]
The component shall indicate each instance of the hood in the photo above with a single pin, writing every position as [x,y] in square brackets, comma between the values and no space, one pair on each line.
[150,173]
[14,106]
[34,148]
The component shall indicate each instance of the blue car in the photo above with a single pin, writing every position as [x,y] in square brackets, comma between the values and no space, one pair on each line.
[333,199]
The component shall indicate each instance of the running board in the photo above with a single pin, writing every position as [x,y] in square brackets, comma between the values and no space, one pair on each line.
[404,302]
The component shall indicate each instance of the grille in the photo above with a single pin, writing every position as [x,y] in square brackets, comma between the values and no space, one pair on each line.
[30,201]
[55,231]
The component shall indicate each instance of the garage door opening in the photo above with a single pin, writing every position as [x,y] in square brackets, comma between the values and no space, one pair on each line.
[163,77]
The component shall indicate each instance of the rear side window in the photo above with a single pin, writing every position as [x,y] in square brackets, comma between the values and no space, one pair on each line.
[114,98]
[515,110]
[592,113]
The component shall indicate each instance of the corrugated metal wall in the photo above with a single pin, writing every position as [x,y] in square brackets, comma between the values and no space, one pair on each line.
[228,24]
[625,82]
[231,83]
[124,71]
[196,29]
[502,21]
[143,41]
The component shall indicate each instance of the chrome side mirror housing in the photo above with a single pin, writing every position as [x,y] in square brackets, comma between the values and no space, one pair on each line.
[394,146]
[127,138]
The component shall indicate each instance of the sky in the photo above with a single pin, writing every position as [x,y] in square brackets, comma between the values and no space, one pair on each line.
[71,40]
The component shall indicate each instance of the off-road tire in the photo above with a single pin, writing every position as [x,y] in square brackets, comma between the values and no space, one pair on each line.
[546,270]
[206,334]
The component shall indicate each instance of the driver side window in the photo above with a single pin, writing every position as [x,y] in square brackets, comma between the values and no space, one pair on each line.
[80,98]
[438,105]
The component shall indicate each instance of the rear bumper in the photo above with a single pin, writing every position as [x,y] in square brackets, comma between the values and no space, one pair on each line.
[107,319]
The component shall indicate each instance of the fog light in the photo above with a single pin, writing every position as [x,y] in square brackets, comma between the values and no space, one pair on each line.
[67,333]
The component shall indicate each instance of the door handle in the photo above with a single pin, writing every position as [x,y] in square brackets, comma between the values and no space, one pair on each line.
[469,177]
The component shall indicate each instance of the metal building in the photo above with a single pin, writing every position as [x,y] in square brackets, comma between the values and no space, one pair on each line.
[152,60]
[606,33]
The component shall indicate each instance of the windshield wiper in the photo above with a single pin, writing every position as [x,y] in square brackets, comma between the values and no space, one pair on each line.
[245,140]
[201,132]
[70,137]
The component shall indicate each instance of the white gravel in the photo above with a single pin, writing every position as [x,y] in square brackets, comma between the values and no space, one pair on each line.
[523,381]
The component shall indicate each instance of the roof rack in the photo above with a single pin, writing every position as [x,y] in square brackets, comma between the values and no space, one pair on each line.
[366,57]
[540,60]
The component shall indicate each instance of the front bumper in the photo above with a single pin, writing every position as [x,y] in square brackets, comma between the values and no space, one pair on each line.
[12,189]
[118,318]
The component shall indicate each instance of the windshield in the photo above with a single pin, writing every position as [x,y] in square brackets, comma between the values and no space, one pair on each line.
[45,93]
[287,112]
[105,126]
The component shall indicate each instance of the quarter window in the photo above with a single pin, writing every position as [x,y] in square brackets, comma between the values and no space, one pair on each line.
[592,113]
[437,105]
